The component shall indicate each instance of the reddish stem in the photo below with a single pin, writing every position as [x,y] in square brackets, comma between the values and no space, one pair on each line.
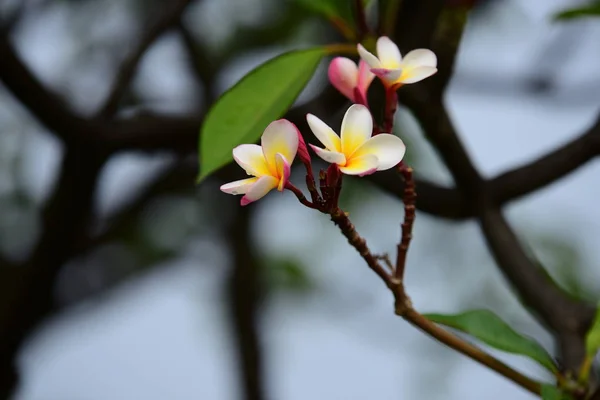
[409,198]
[391,103]
[289,186]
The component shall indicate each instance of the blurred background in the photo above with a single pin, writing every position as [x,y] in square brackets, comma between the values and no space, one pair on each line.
[120,279]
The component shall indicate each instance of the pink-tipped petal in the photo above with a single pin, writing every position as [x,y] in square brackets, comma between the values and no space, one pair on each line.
[324,133]
[368,57]
[332,157]
[420,58]
[259,189]
[238,187]
[280,136]
[283,170]
[389,150]
[388,53]
[417,74]
[361,166]
[365,77]
[357,127]
[343,75]
[388,76]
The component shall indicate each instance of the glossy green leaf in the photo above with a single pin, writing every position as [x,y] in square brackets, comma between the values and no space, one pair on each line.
[244,111]
[550,392]
[490,329]
[590,10]
[592,339]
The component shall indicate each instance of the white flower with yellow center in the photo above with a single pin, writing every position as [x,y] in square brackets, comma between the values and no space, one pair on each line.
[269,163]
[355,151]
[393,69]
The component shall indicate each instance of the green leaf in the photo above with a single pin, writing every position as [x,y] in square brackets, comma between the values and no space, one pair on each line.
[550,392]
[490,329]
[244,111]
[590,10]
[592,339]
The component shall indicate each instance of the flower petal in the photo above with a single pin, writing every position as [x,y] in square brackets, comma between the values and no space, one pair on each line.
[389,150]
[420,58]
[324,133]
[388,53]
[368,57]
[251,158]
[280,136]
[238,187]
[365,77]
[413,75]
[283,170]
[388,76]
[332,157]
[362,166]
[357,128]
[343,75]
[259,189]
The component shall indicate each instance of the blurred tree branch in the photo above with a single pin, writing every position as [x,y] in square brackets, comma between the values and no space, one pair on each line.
[165,20]
[568,318]
[244,293]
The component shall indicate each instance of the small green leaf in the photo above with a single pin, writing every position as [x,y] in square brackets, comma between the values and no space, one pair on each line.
[490,329]
[590,10]
[244,111]
[550,392]
[592,339]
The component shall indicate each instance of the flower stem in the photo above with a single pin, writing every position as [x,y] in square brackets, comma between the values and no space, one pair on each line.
[289,186]
[391,103]
[409,198]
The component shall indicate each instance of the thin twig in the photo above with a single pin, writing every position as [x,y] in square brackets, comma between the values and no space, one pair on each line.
[405,310]
[409,197]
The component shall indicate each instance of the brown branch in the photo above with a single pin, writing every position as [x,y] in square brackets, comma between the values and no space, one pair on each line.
[167,18]
[409,198]
[244,294]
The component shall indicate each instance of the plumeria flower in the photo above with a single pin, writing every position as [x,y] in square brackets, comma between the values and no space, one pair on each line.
[356,152]
[351,80]
[269,163]
[393,69]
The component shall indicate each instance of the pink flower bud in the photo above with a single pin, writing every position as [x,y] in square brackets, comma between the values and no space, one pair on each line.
[350,79]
